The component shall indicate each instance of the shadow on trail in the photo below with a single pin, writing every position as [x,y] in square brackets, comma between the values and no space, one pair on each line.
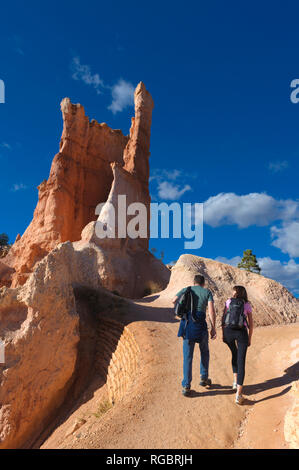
[226,390]
[291,374]
[147,300]
[214,389]
[275,395]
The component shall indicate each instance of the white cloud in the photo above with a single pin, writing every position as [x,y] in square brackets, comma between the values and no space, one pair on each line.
[249,209]
[230,209]
[122,92]
[167,186]
[275,167]
[167,190]
[287,238]
[83,73]
[5,145]
[232,261]
[171,263]
[257,209]
[122,96]
[18,187]
[287,273]
[158,174]
[172,174]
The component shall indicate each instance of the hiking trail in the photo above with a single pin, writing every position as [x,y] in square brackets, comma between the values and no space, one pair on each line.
[134,398]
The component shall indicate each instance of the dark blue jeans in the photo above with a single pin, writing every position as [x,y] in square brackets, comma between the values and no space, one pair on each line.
[188,350]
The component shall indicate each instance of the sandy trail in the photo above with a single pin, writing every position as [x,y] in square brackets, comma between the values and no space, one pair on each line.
[154,414]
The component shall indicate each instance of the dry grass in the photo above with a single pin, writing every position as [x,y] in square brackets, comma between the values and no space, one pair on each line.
[103,408]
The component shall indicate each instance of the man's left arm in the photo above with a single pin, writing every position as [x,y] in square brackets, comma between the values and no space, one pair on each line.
[212,315]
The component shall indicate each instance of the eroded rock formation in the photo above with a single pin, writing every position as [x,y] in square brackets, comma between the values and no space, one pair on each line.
[48,343]
[128,267]
[95,164]
[6,273]
[39,327]
[80,178]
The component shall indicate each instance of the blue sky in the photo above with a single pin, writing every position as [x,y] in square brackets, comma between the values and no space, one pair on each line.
[224,131]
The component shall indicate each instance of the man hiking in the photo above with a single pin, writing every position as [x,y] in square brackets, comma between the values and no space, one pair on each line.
[193,329]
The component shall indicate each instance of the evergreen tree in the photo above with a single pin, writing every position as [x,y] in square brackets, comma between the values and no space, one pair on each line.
[4,245]
[249,262]
[3,239]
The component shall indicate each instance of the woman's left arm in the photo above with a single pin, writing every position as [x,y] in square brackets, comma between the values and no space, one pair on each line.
[250,327]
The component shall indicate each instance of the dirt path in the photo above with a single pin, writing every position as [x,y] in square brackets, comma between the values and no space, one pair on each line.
[154,414]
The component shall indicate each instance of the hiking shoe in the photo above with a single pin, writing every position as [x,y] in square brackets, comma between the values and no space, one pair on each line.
[239,399]
[186,391]
[234,387]
[205,382]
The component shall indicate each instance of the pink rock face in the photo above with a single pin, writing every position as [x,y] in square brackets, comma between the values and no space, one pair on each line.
[39,325]
[80,178]
[5,274]
[136,154]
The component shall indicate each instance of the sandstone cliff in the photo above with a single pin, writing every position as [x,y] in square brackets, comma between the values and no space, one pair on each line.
[40,330]
[50,340]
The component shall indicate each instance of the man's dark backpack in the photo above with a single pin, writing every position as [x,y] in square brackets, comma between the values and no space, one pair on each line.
[235,316]
[185,304]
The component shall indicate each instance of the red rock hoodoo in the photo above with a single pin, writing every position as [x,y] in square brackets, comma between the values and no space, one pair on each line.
[80,178]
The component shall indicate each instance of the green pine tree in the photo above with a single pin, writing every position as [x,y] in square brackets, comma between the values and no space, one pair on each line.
[249,262]
[3,239]
[4,245]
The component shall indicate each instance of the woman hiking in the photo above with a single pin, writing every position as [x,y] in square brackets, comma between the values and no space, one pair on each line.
[237,327]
